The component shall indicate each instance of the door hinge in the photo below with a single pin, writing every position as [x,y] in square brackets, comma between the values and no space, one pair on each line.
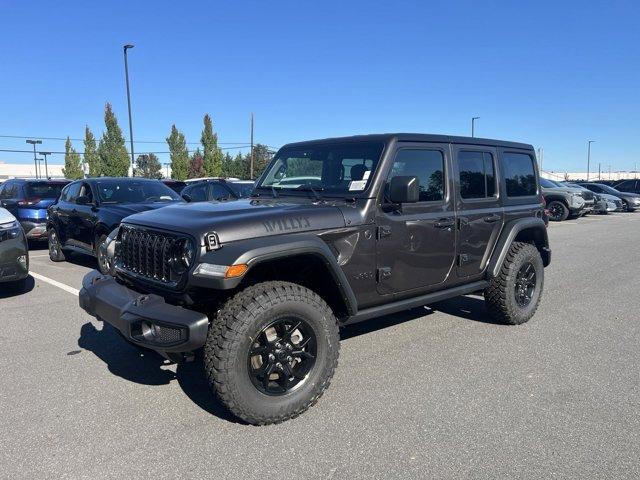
[384,273]
[384,231]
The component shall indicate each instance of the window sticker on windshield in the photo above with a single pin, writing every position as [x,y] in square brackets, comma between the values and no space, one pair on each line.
[357,185]
[366,175]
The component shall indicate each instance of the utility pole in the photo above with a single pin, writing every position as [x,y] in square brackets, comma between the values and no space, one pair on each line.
[167,165]
[126,74]
[251,169]
[35,161]
[46,168]
[589,157]
[609,172]
[473,126]
[40,160]
[599,170]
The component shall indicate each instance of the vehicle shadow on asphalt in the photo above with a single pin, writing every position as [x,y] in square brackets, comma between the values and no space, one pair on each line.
[145,367]
[7,290]
[470,307]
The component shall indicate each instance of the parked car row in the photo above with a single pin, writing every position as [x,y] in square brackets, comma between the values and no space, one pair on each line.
[576,199]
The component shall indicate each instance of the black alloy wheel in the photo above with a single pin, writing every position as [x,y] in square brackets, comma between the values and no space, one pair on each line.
[557,211]
[282,356]
[525,284]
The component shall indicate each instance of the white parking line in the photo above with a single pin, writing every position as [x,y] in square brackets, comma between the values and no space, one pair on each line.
[55,283]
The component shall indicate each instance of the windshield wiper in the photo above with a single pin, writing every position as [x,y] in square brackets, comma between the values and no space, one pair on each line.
[308,188]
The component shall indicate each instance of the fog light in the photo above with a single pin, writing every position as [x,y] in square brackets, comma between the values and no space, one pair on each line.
[150,331]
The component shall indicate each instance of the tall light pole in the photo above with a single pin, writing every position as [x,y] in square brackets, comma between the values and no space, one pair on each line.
[166,164]
[473,126]
[46,168]
[126,74]
[589,157]
[251,169]
[35,162]
[40,160]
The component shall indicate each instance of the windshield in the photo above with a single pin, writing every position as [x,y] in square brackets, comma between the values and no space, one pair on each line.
[334,169]
[609,189]
[127,191]
[547,183]
[242,190]
[43,189]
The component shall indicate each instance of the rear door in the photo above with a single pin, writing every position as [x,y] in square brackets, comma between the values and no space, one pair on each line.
[64,213]
[416,241]
[84,219]
[9,197]
[479,206]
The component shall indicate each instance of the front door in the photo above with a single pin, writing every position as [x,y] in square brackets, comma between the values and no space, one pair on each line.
[480,216]
[417,241]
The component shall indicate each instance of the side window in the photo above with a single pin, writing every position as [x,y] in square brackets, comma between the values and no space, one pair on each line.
[477,174]
[218,192]
[427,165]
[519,174]
[10,190]
[73,192]
[4,188]
[198,193]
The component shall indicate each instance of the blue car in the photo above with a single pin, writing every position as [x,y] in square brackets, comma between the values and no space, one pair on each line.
[28,201]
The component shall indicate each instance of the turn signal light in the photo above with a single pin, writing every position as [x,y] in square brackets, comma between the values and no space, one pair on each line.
[236,270]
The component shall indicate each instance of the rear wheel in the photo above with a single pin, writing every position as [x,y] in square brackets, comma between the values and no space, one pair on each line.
[55,248]
[514,294]
[271,352]
[558,211]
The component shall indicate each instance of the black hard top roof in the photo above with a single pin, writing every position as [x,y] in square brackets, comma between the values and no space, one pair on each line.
[416,137]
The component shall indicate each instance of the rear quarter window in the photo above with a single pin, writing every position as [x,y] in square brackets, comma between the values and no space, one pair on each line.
[519,174]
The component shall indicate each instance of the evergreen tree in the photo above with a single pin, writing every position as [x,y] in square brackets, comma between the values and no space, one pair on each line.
[261,158]
[91,156]
[196,165]
[114,159]
[212,154]
[148,166]
[179,154]
[72,167]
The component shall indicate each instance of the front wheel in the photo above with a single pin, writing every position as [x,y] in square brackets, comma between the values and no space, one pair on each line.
[558,211]
[271,351]
[101,255]
[514,294]
[55,247]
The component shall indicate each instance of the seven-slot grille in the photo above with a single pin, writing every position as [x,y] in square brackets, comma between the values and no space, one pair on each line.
[147,253]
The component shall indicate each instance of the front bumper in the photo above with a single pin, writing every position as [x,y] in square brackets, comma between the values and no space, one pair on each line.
[34,230]
[143,319]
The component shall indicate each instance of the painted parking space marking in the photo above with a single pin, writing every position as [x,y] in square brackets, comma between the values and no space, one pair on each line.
[55,283]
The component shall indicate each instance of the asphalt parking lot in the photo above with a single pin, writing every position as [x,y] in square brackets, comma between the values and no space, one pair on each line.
[431,393]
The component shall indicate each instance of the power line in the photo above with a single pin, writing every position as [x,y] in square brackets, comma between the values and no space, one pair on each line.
[21,137]
[82,153]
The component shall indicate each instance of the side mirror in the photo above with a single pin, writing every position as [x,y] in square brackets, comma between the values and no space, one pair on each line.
[83,200]
[404,189]
[187,197]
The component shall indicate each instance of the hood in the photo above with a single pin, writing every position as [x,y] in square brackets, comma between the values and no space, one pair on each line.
[606,196]
[569,190]
[6,217]
[126,209]
[242,219]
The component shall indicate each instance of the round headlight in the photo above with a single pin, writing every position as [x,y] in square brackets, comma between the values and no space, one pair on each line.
[188,253]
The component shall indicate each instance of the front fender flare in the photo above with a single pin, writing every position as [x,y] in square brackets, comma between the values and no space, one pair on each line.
[255,251]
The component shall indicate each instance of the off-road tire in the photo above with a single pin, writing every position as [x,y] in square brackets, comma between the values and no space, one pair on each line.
[98,242]
[561,207]
[234,329]
[55,252]
[500,296]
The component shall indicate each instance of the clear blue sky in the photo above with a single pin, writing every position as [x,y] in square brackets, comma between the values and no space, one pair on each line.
[553,74]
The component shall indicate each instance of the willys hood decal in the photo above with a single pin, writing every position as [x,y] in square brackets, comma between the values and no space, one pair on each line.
[241,219]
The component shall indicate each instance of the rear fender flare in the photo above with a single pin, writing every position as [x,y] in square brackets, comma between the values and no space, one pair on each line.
[508,236]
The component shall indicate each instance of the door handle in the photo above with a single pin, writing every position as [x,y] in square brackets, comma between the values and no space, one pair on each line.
[492,218]
[444,223]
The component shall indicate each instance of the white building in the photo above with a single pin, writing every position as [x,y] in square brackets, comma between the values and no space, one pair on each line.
[603,175]
[28,170]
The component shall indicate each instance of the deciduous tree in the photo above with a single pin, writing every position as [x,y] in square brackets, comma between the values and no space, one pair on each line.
[148,166]
[179,154]
[114,159]
[211,153]
[91,156]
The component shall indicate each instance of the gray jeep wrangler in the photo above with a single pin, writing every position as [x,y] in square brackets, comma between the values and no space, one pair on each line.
[337,231]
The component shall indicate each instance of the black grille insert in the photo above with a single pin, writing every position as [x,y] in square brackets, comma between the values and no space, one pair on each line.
[148,253]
